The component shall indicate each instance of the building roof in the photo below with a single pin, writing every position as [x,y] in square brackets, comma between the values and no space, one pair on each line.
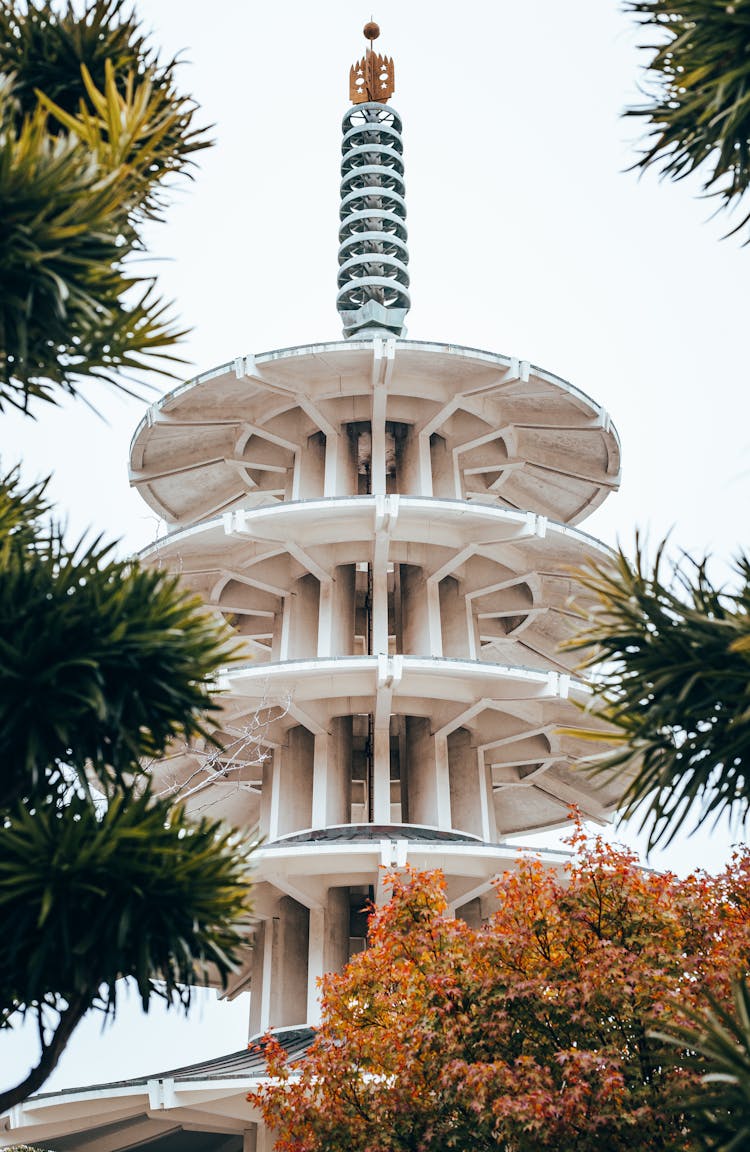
[245,1064]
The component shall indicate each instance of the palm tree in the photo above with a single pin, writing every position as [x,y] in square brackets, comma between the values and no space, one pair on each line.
[672,675]
[698,88]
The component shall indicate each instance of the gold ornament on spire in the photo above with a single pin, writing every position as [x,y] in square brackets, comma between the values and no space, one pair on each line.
[372,77]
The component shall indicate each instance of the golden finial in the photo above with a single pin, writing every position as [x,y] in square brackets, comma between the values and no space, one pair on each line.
[372,77]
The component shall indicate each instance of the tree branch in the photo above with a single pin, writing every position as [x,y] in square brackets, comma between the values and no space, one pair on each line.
[69,1020]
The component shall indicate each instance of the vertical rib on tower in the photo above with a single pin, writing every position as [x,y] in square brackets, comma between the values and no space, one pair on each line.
[373,279]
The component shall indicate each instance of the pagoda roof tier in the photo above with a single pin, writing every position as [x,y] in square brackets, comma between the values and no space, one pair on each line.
[477,426]
[515,570]
[516,720]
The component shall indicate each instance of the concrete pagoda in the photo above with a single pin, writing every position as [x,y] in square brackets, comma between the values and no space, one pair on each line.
[389,525]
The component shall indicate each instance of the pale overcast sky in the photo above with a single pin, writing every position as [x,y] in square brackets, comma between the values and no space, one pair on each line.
[527,236]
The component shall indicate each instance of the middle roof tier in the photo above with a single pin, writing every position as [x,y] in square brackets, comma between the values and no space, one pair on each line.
[391,575]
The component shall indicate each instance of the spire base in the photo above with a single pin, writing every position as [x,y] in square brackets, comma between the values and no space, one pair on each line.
[373,319]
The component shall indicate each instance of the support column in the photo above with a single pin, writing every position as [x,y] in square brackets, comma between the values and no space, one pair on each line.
[336,952]
[320,781]
[269,813]
[288,1000]
[343,610]
[486,798]
[435,626]
[453,618]
[380,373]
[465,784]
[381,770]
[415,612]
[296,781]
[442,783]
[425,464]
[303,629]
[325,620]
[265,1140]
[380,611]
[315,964]
[428,788]
[269,961]
[332,467]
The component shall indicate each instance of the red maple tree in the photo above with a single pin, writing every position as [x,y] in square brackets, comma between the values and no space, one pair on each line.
[532,1032]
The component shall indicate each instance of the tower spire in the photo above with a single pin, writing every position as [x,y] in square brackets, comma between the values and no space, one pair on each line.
[373,279]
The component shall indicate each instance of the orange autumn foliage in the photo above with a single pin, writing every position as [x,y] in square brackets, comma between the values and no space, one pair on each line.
[529,1033]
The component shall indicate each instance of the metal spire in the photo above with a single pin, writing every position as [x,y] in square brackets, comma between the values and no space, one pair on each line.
[373,296]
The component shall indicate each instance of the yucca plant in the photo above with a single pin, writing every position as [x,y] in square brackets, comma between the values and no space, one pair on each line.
[672,675]
[91,127]
[90,894]
[698,87]
[719,1042]
[102,662]
[46,47]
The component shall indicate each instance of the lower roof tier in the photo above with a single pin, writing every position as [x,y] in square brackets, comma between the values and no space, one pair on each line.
[375,416]
[482,749]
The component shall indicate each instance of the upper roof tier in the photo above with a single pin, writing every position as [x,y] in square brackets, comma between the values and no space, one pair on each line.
[375,416]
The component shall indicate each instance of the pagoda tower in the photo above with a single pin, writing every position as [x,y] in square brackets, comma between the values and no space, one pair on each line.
[389,525]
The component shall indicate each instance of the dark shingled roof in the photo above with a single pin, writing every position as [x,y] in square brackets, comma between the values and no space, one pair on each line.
[246,1063]
[363,832]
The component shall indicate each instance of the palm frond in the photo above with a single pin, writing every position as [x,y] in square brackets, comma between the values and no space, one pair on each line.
[720,1112]
[673,677]
[698,88]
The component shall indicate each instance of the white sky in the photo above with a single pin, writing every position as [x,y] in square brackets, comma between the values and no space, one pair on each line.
[527,236]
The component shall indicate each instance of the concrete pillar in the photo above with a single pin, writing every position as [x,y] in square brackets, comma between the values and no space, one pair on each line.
[295,782]
[409,471]
[343,611]
[453,619]
[443,483]
[312,466]
[316,966]
[471,913]
[380,611]
[415,611]
[442,784]
[265,962]
[428,790]
[256,979]
[268,824]
[339,771]
[289,980]
[331,466]
[325,620]
[336,952]
[265,1140]
[264,821]
[377,460]
[322,754]
[425,465]
[487,797]
[465,784]
[331,774]
[340,466]
[433,618]
[381,770]
[305,608]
